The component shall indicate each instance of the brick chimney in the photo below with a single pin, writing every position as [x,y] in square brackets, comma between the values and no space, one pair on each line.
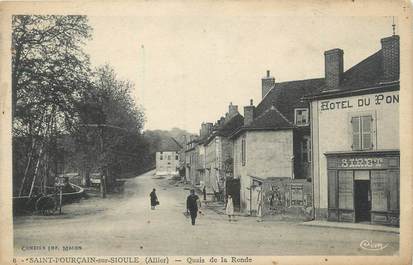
[232,110]
[249,113]
[333,68]
[267,83]
[202,132]
[209,126]
[390,48]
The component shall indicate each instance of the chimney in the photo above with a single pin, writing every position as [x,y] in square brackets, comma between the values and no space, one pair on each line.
[202,133]
[221,121]
[333,63]
[390,48]
[232,110]
[267,83]
[249,113]
[209,126]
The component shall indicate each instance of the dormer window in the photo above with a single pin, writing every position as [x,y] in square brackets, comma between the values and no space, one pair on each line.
[301,117]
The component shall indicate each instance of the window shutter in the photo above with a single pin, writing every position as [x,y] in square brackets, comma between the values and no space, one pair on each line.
[355,124]
[366,130]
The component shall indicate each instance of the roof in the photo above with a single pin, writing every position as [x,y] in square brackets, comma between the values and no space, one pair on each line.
[271,119]
[361,77]
[286,96]
[169,144]
[367,73]
[227,128]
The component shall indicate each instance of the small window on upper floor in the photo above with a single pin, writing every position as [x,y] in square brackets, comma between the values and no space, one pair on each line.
[301,117]
[176,157]
[161,156]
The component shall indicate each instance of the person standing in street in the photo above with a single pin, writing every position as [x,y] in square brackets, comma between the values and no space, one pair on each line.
[229,209]
[192,205]
[259,204]
[154,199]
[204,192]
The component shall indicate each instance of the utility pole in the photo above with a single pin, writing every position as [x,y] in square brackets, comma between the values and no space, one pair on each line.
[103,174]
[143,74]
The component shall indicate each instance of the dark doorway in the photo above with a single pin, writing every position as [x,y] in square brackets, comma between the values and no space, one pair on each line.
[362,201]
[233,187]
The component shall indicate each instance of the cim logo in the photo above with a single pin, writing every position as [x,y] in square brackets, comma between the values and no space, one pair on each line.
[370,245]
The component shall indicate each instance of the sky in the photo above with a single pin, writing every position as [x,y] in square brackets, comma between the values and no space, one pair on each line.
[187,69]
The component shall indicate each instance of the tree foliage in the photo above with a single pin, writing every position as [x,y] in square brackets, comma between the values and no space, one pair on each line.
[49,70]
[67,117]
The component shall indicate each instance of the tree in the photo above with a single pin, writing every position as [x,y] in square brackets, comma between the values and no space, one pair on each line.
[110,125]
[49,71]
[49,68]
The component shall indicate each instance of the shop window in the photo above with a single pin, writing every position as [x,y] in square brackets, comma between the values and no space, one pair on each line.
[332,189]
[362,132]
[306,149]
[385,190]
[345,190]
[301,117]
[243,150]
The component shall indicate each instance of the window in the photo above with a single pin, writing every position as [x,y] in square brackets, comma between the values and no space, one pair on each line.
[176,157]
[306,149]
[169,157]
[161,156]
[301,116]
[243,150]
[362,132]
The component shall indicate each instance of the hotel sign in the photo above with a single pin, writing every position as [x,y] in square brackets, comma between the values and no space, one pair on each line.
[360,102]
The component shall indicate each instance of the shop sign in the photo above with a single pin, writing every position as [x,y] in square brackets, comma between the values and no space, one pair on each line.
[364,162]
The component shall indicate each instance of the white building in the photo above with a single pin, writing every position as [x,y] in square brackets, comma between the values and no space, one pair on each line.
[355,136]
[167,163]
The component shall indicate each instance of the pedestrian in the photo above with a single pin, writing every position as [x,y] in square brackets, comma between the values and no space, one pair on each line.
[192,205]
[259,205]
[204,193]
[230,208]
[154,199]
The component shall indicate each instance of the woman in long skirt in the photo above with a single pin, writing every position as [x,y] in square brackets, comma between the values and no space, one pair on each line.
[230,208]
[154,199]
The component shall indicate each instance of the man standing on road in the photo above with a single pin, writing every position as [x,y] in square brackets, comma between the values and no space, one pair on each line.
[192,205]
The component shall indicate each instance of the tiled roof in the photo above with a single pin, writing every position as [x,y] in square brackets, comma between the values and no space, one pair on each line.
[286,96]
[227,128]
[271,118]
[231,125]
[169,144]
[366,74]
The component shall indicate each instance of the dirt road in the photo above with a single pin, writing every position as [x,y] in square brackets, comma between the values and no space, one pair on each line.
[125,225]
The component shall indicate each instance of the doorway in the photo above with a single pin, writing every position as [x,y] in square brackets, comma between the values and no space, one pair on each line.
[362,201]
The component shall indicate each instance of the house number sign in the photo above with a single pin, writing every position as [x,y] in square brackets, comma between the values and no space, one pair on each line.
[365,162]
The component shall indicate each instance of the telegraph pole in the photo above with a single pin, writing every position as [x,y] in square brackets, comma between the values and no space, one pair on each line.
[103,174]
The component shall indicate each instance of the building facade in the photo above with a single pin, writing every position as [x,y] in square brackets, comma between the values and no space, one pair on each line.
[271,151]
[167,163]
[355,136]
[218,157]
